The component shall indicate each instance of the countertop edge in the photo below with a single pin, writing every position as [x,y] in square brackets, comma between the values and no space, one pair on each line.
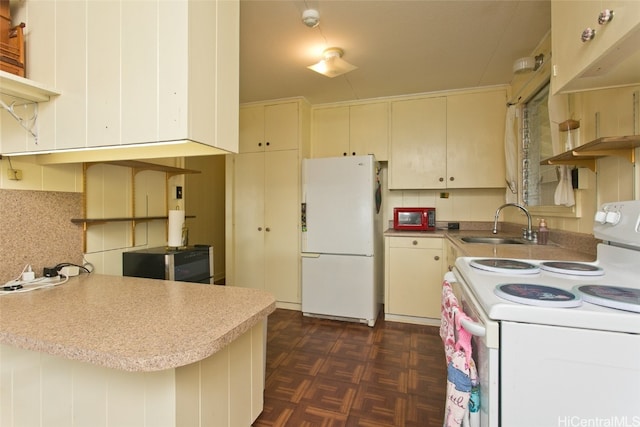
[137,363]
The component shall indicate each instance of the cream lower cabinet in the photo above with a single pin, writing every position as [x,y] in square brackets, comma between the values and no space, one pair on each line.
[413,279]
[266,216]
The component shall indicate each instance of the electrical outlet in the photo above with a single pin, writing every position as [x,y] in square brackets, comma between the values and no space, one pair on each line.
[14,174]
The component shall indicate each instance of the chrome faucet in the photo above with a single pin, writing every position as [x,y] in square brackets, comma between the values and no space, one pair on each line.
[528,233]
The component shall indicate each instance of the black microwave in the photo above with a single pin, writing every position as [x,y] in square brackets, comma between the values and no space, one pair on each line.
[189,264]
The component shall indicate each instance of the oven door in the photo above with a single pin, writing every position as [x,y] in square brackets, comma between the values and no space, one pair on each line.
[486,354]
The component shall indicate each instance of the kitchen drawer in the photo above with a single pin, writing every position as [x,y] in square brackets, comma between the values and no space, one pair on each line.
[416,242]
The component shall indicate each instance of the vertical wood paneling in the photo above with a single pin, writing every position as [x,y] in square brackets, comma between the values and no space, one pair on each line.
[172,72]
[103,72]
[224,389]
[214,386]
[240,385]
[71,73]
[140,71]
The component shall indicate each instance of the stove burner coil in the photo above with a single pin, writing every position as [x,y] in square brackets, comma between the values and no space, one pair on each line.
[539,295]
[573,268]
[503,265]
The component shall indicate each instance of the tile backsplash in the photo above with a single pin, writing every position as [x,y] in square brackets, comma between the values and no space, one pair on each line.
[36,229]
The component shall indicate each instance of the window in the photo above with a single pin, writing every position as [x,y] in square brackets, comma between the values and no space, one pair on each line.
[538,182]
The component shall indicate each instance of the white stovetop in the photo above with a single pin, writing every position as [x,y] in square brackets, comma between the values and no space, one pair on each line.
[621,266]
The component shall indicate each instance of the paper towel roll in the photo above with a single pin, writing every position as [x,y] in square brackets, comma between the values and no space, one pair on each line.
[176,222]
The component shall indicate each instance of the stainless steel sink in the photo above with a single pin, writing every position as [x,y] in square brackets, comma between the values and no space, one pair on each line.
[493,240]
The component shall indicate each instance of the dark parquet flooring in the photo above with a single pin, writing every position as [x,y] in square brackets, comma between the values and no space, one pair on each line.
[330,373]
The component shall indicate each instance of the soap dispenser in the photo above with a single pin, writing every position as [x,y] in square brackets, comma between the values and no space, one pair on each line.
[543,232]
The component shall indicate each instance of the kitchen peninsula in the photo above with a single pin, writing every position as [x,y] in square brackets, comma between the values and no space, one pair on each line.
[114,351]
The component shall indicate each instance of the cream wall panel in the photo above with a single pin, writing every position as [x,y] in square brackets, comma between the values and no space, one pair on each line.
[239,359]
[227,71]
[203,38]
[71,44]
[61,177]
[48,391]
[139,71]
[103,73]
[57,385]
[172,76]
[215,399]
[40,66]
[127,407]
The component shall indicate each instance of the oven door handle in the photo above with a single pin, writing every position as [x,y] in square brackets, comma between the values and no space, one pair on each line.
[472,327]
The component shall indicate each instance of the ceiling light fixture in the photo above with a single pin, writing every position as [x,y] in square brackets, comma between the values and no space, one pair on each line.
[332,64]
[528,63]
[311,18]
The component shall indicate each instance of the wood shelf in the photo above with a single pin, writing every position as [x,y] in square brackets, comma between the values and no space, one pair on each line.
[139,166]
[587,154]
[121,219]
[135,166]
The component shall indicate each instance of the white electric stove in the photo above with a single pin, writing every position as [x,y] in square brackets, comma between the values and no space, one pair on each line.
[558,343]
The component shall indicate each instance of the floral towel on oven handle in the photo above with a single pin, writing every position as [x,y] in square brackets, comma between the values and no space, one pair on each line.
[461,370]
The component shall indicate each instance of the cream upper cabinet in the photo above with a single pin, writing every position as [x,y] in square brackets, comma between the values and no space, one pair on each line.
[126,79]
[351,131]
[453,141]
[475,140]
[418,144]
[413,278]
[611,58]
[369,130]
[269,127]
[330,134]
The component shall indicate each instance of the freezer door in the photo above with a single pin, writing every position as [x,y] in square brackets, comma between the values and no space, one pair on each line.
[340,286]
[339,193]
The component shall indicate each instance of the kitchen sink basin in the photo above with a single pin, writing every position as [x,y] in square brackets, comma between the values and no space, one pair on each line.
[493,240]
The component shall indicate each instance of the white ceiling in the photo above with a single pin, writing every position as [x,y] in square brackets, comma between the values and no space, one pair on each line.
[400,46]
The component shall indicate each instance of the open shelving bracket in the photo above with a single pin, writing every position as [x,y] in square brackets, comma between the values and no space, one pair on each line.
[30,125]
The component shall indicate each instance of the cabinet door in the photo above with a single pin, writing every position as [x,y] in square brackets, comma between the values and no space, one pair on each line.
[418,144]
[369,130]
[281,126]
[330,132]
[475,140]
[248,224]
[598,60]
[415,277]
[282,219]
[251,129]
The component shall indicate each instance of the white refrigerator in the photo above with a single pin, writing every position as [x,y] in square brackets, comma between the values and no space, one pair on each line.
[341,250]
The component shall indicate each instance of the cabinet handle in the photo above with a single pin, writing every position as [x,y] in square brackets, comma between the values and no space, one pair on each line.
[588,34]
[451,178]
[415,242]
[259,144]
[437,258]
[259,228]
[267,229]
[605,16]
[441,179]
[353,154]
[268,143]
[344,154]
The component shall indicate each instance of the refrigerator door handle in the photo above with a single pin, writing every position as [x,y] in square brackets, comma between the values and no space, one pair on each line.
[310,255]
